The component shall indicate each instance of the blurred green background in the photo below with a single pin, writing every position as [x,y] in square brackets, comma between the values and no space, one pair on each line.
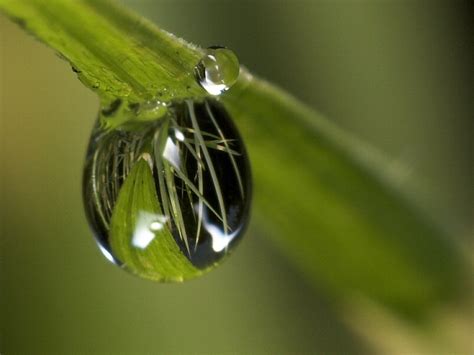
[394,73]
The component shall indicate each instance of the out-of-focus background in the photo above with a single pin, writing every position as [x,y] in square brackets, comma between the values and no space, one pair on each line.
[394,73]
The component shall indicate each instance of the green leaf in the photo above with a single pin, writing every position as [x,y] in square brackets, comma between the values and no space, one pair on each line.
[114,52]
[328,199]
[139,235]
[335,209]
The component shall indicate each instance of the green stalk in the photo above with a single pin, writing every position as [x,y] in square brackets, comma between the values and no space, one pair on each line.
[326,198]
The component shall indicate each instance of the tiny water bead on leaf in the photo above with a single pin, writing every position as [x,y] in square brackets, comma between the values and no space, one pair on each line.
[168,198]
[217,70]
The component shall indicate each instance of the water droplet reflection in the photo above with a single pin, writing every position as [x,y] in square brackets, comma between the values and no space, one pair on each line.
[192,197]
[217,70]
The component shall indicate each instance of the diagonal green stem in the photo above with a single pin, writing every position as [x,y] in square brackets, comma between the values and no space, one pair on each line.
[327,198]
[114,52]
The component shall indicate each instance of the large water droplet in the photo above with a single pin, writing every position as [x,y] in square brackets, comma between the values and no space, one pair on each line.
[168,199]
[217,70]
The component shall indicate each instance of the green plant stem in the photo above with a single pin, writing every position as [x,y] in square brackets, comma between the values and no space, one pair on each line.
[115,53]
[325,197]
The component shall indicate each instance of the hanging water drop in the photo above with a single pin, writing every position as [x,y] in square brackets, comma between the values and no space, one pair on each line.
[217,70]
[168,198]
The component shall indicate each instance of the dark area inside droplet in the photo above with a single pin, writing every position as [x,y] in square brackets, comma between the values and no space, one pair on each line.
[236,203]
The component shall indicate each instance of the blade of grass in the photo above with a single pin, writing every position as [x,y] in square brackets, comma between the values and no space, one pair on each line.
[175,204]
[210,164]
[113,52]
[200,168]
[227,148]
[159,146]
[327,198]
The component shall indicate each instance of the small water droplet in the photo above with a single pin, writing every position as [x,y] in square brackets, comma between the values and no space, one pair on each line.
[217,70]
[120,114]
[151,110]
[170,198]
